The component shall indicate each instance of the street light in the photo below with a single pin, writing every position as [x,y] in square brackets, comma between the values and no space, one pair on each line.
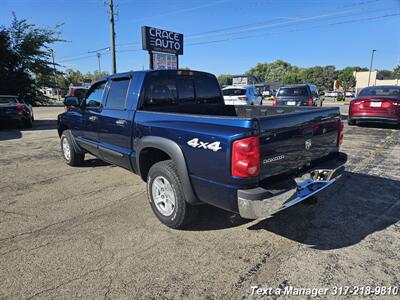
[370,67]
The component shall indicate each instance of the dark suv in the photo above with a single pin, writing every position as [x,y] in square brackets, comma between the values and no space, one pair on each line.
[297,95]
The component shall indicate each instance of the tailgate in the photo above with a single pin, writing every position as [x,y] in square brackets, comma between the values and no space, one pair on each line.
[291,141]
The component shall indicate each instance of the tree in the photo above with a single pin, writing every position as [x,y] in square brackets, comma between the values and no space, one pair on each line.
[346,78]
[382,74]
[224,79]
[75,77]
[277,71]
[322,77]
[25,64]
[396,72]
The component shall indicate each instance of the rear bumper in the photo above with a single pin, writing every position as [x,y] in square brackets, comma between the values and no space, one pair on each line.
[266,200]
[380,119]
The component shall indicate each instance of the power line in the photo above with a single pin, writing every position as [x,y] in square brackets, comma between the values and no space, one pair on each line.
[225,31]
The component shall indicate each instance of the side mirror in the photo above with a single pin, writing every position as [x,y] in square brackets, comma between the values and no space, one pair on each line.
[71,101]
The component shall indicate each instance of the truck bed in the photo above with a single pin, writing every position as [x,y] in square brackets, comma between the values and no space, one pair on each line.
[239,111]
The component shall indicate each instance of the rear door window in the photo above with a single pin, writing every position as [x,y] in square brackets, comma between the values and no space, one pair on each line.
[116,98]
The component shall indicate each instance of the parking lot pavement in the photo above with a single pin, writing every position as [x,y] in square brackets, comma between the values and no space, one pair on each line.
[89,232]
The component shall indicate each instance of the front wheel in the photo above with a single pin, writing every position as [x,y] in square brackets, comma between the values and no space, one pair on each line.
[70,155]
[165,193]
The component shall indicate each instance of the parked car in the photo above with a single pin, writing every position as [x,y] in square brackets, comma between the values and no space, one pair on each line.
[78,91]
[376,104]
[333,94]
[173,129]
[241,95]
[15,110]
[297,95]
[349,94]
[267,93]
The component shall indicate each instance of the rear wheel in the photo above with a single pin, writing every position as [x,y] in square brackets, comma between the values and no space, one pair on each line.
[71,157]
[28,123]
[165,193]
[351,122]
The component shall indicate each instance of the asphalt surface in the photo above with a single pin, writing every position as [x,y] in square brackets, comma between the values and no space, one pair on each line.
[89,232]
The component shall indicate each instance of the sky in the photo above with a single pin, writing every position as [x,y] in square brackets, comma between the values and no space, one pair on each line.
[222,36]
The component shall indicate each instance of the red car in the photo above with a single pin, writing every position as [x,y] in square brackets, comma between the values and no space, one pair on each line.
[376,104]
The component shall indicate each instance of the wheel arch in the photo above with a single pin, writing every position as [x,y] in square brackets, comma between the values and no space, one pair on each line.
[164,149]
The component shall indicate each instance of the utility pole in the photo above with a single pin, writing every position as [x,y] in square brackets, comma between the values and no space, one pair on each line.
[98,54]
[370,67]
[98,57]
[55,74]
[112,33]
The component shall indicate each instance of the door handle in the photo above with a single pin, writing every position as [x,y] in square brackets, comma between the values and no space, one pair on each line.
[121,123]
[93,118]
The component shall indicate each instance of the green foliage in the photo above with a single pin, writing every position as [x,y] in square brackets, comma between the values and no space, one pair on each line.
[322,77]
[346,78]
[224,79]
[384,74]
[396,72]
[277,71]
[74,77]
[25,64]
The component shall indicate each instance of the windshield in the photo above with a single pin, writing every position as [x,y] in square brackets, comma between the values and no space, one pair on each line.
[234,92]
[293,91]
[380,91]
[8,101]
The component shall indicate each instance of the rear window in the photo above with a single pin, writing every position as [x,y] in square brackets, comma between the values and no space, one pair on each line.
[171,89]
[380,91]
[8,101]
[293,91]
[234,92]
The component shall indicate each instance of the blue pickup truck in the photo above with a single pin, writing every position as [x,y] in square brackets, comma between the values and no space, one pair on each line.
[173,129]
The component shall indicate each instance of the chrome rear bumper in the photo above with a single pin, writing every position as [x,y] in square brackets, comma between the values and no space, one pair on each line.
[266,200]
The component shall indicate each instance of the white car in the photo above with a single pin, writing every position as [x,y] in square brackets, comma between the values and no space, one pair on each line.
[349,94]
[241,95]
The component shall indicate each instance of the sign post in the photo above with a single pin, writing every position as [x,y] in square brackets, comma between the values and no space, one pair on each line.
[163,46]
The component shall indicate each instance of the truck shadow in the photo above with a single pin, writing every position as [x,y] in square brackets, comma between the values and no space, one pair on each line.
[356,207]
[213,218]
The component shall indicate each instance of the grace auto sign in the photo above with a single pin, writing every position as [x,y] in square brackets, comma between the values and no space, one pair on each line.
[160,40]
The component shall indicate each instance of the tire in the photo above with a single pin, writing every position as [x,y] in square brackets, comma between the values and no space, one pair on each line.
[351,122]
[28,123]
[71,157]
[166,197]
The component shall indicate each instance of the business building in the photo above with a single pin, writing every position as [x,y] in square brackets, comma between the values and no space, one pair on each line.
[362,80]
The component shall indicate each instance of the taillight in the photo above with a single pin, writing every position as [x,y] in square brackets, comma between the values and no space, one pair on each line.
[309,102]
[246,157]
[274,101]
[20,106]
[242,98]
[340,133]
